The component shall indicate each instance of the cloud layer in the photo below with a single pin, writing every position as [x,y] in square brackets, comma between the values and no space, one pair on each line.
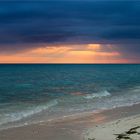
[27,25]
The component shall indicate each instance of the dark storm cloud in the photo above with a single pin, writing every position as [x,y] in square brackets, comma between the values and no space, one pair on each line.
[49,22]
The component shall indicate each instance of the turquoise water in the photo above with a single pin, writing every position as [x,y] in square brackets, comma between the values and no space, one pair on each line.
[60,90]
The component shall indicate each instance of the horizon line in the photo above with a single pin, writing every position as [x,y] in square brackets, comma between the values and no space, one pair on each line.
[67,63]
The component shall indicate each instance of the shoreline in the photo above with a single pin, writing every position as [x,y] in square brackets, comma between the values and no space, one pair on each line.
[37,118]
[69,127]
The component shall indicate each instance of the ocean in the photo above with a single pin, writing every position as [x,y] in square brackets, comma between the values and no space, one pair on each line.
[31,93]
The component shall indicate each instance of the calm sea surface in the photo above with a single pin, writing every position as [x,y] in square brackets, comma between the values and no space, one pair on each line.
[61,90]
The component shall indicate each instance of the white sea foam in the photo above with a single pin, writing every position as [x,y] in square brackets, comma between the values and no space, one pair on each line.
[75,104]
[97,95]
[16,116]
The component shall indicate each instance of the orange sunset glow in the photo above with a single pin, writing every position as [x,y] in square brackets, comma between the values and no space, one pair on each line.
[75,53]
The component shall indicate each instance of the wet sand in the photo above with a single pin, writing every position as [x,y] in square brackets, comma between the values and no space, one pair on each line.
[78,127]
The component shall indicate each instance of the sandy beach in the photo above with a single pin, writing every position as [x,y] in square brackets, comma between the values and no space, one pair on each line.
[101,126]
[127,128]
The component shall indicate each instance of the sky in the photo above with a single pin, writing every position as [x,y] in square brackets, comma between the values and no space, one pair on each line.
[70,31]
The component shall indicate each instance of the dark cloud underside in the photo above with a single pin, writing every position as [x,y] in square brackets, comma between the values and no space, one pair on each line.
[32,22]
